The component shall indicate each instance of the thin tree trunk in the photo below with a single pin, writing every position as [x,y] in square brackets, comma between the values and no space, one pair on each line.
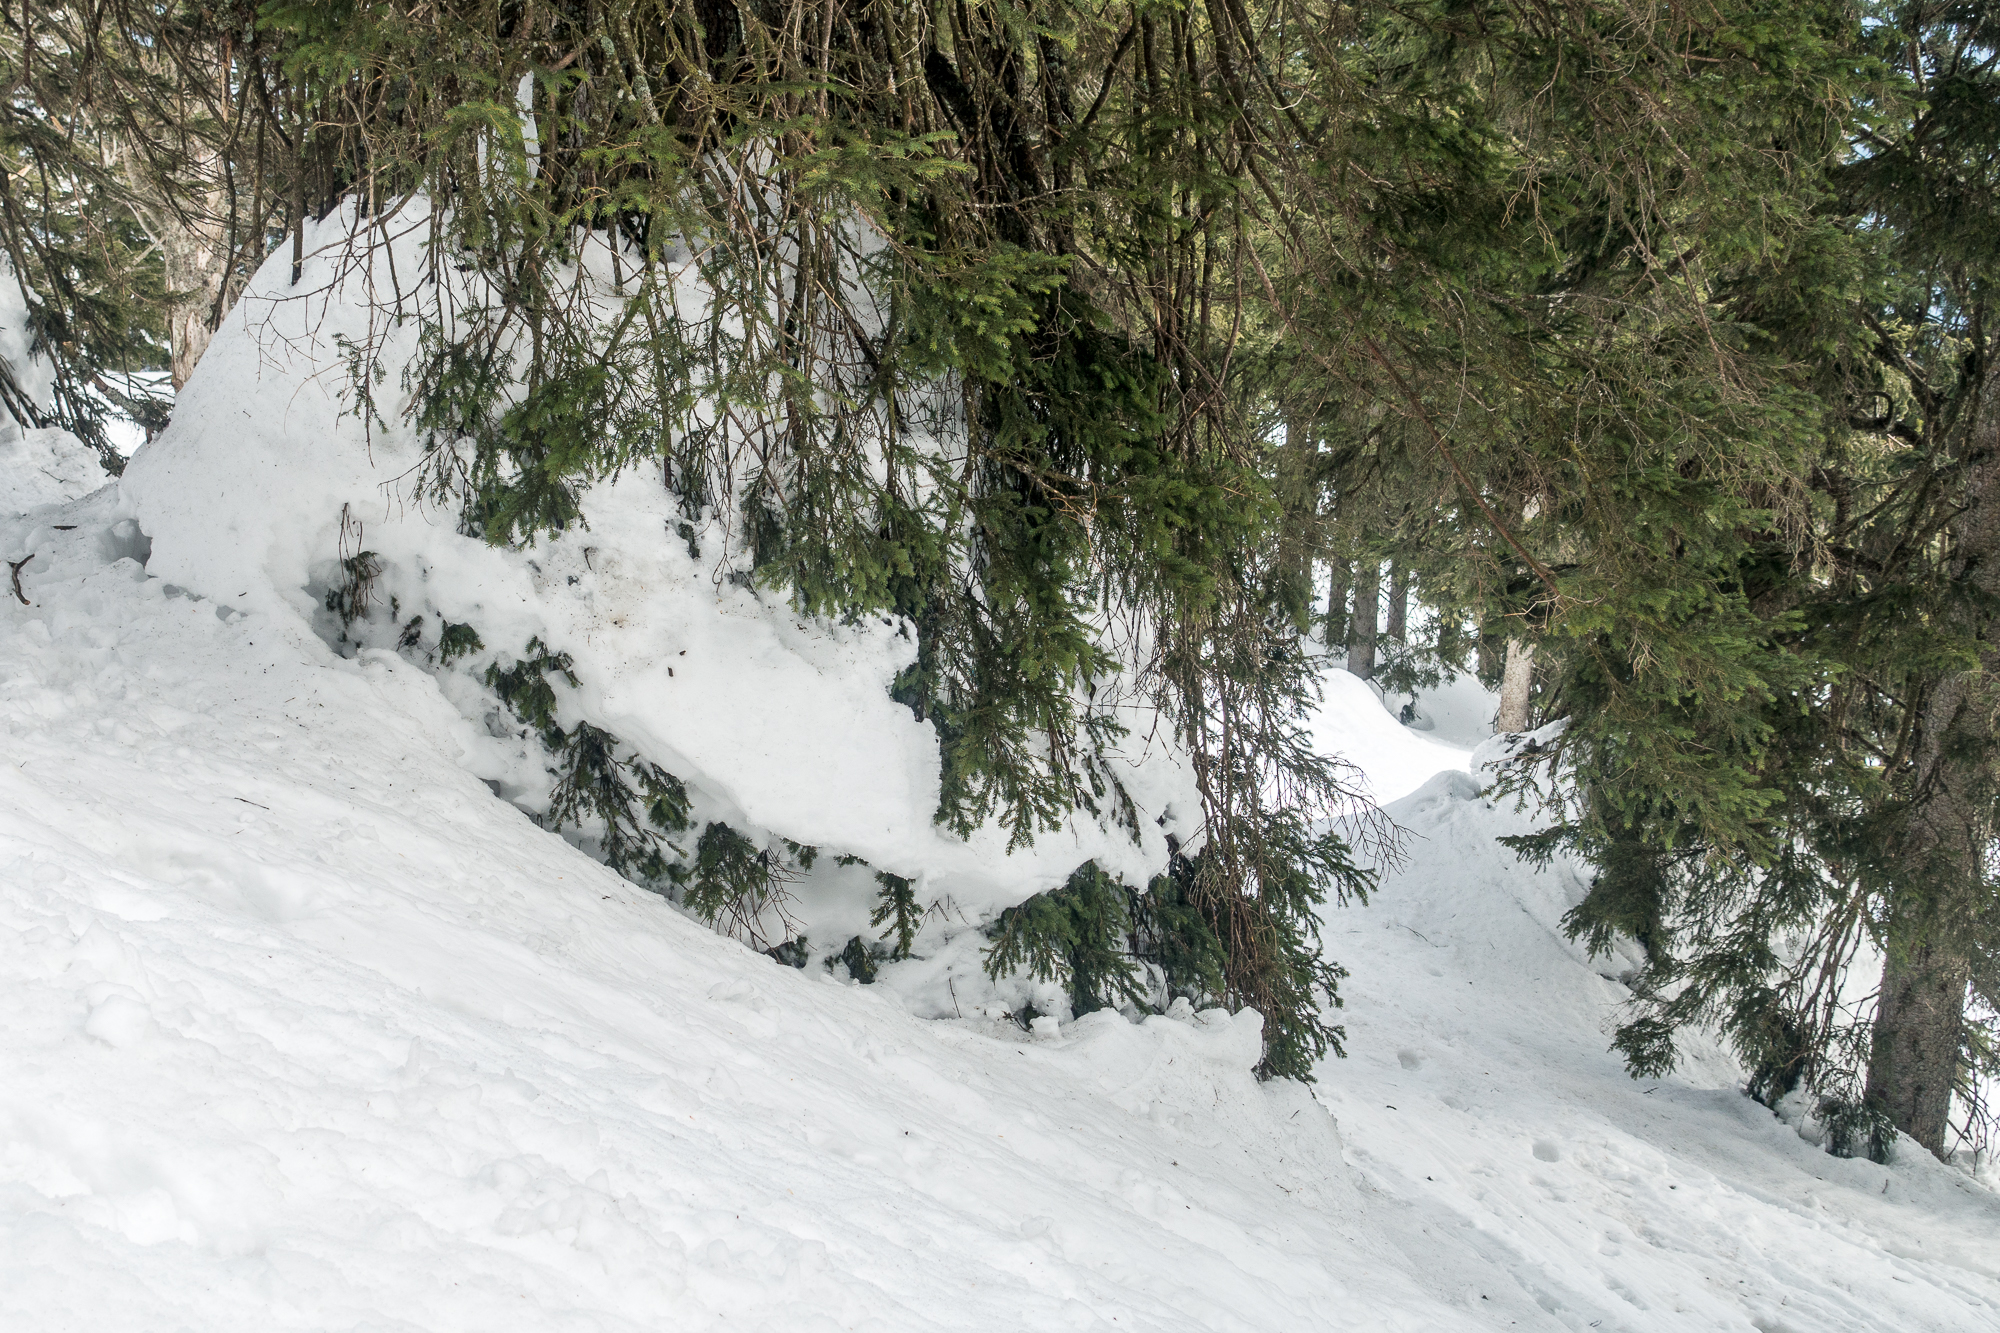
[299,193]
[1361,623]
[1488,659]
[193,260]
[1341,575]
[1920,1016]
[1397,614]
[1517,684]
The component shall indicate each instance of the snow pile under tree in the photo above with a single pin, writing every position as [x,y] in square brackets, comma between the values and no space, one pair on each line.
[280,493]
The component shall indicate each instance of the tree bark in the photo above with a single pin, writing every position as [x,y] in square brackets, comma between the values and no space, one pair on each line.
[1361,622]
[1396,616]
[193,260]
[1920,1013]
[1940,849]
[1517,682]
[1919,1021]
[1488,656]
[1342,575]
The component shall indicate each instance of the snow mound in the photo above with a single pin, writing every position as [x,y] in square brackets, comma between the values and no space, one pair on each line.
[46,466]
[1353,721]
[305,1030]
[269,476]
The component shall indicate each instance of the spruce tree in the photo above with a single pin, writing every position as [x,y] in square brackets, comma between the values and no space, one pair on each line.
[1874,759]
[1927,184]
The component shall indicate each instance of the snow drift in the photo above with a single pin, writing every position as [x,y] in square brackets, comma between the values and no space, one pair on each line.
[308,1030]
[271,473]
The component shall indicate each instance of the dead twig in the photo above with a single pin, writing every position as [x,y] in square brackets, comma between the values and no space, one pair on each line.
[14,568]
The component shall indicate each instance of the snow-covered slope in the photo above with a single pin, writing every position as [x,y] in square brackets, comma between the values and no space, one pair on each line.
[304,1029]
[1495,1134]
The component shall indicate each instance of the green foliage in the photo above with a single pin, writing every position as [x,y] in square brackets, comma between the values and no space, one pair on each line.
[731,879]
[1003,377]
[349,598]
[795,953]
[1751,766]
[78,199]
[1093,934]
[525,687]
[859,962]
[456,641]
[1273,957]
[1080,340]
[1854,1129]
[626,802]
[631,806]
[897,906]
[1170,931]
[1075,935]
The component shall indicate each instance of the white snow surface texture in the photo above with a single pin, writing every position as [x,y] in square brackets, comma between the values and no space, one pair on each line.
[780,726]
[305,1029]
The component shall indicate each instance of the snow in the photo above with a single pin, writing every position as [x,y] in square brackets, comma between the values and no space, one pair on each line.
[1353,721]
[266,478]
[45,466]
[305,1029]
[1482,1110]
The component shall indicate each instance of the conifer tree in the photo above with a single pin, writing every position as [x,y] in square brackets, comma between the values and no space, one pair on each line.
[969,358]
[1875,766]
[143,159]
[1926,413]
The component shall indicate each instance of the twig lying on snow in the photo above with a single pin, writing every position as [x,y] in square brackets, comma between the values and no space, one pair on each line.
[14,568]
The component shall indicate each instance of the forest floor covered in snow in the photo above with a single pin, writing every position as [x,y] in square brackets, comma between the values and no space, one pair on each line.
[305,1029]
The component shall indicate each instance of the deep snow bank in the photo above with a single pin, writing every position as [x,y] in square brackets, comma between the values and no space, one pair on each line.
[782,726]
[304,1029]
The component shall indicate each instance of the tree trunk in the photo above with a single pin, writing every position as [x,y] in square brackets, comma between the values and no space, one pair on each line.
[1488,657]
[193,260]
[1361,624]
[1940,850]
[188,218]
[1920,1014]
[1517,683]
[1342,575]
[1396,617]
[1918,1028]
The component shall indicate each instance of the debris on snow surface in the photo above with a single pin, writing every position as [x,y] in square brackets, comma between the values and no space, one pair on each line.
[305,1029]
